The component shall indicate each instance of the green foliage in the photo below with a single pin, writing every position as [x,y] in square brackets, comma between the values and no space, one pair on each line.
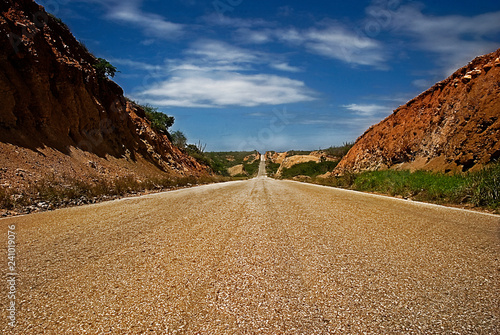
[253,168]
[159,120]
[478,188]
[340,151]
[272,168]
[297,152]
[221,161]
[179,139]
[485,187]
[104,69]
[196,152]
[311,169]
[419,185]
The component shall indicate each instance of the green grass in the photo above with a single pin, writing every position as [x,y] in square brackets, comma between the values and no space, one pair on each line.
[479,189]
[311,169]
[272,168]
[485,187]
[219,161]
[252,169]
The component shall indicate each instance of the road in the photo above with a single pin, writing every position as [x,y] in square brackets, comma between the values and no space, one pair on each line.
[255,257]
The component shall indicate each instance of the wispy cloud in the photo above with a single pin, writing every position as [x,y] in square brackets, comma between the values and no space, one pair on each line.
[135,64]
[368,110]
[216,19]
[226,89]
[130,12]
[216,74]
[329,39]
[338,42]
[454,38]
[223,53]
[285,67]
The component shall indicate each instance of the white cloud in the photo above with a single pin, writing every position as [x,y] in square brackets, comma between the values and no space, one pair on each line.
[230,21]
[331,40]
[223,53]
[135,64]
[343,44]
[216,74]
[285,67]
[254,36]
[129,12]
[226,89]
[368,110]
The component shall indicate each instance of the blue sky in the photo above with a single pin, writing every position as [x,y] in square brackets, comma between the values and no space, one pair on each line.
[280,75]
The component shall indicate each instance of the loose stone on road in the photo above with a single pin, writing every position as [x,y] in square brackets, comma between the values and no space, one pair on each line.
[259,256]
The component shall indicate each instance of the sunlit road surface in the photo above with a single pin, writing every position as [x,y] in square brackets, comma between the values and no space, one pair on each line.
[255,257]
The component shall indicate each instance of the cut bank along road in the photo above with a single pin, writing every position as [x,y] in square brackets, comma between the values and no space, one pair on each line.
[258,256]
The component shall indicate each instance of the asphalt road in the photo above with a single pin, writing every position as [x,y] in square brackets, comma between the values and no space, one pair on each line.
[253,257]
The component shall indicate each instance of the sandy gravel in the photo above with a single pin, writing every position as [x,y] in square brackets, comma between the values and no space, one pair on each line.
[255,257]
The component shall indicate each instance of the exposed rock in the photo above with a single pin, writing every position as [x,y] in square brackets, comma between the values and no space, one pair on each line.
[452,127]
[288,162]
[57,112]
[237,170]
[276,157]
[252,158]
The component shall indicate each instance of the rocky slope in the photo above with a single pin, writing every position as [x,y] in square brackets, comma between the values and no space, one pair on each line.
[287,160]
[452,127]
[59,119]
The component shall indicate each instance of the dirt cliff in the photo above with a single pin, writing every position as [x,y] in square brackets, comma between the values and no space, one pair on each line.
[452,127]
[59,118]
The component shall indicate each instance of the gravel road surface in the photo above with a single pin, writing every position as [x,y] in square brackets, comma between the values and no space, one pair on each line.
[254,257]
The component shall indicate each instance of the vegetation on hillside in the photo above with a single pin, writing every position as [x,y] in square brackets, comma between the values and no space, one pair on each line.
[221,161]
[104,69]
[310,169]
[159,121]
[179,139]
[272,168]
[339,151]
[478,188]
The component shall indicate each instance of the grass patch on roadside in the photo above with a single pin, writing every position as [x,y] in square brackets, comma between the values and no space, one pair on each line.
[480,189]
[311,169]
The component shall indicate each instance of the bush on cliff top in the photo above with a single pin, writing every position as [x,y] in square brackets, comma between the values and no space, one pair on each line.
[104,69]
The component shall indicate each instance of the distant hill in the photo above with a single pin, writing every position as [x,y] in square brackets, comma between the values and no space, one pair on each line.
[63,119]
[452,127]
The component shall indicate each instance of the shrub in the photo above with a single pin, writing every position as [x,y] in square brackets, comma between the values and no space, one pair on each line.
[104,69]
[252,169]
[339,151]
[311,169]
[179,139]
[159,121]
[272,168]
